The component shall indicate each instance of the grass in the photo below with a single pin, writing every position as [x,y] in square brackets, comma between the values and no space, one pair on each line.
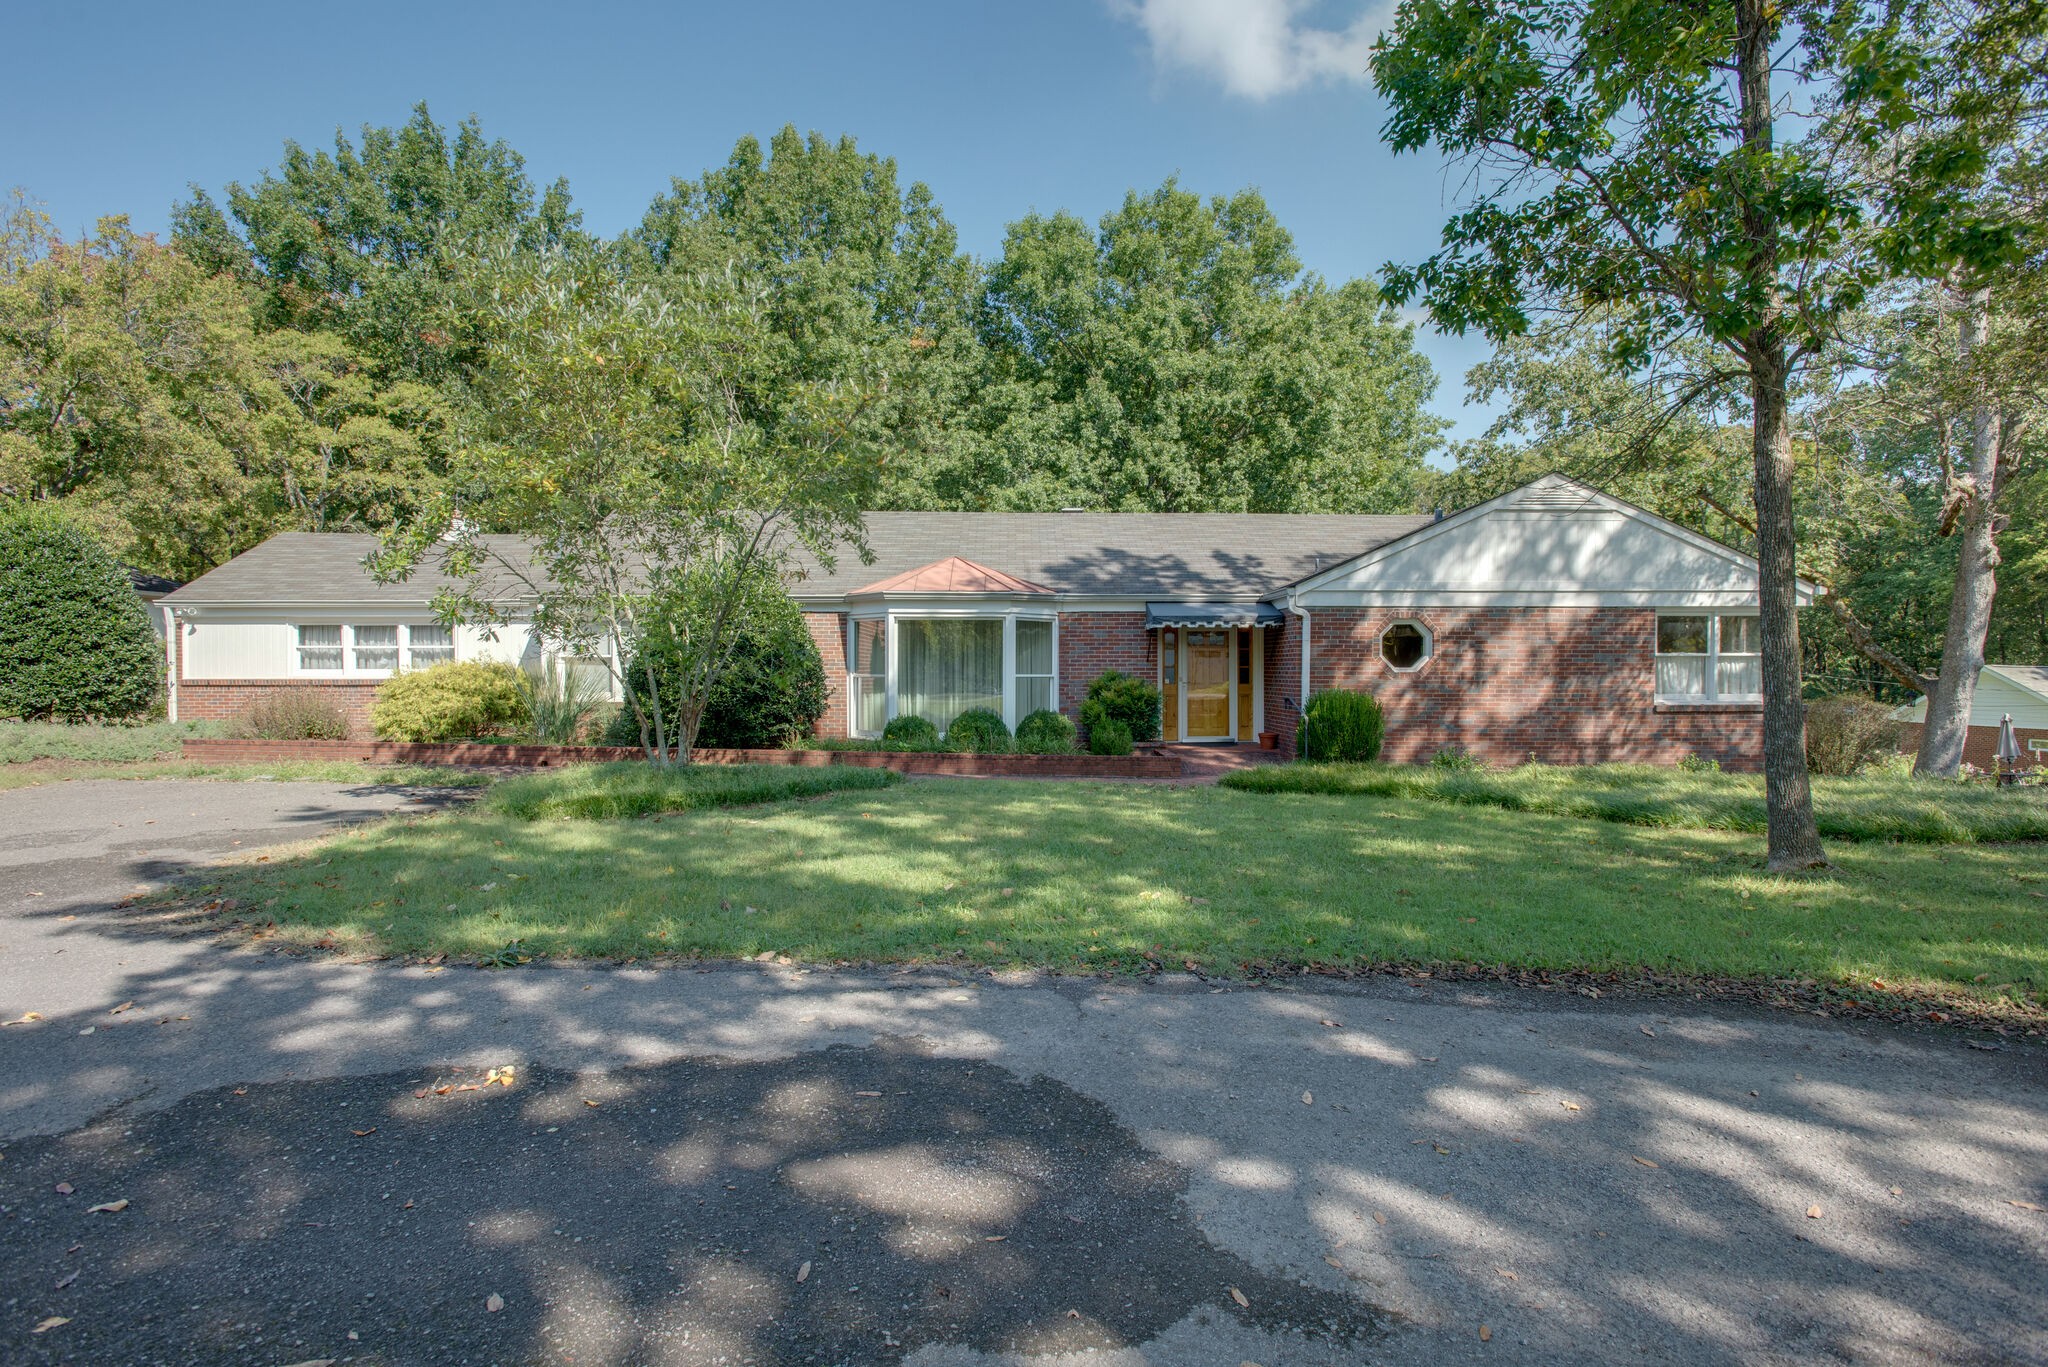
[23,741]
[311,771]
[596,792]
[1877,807]
[1089,875]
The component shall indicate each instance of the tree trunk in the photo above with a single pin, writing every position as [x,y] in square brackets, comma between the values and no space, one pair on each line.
[1792,838]
[1969,607]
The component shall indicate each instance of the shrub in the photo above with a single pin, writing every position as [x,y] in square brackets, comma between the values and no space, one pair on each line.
[292,714]
[1696,763]
[21,741]
[1046,732]
[1456,758]
[1109,736]
[75,641]
[769,696]
[978,731]
[1342,725]
[910,733]
[453,701]
[561,705]
[1117,696]
[1845,735]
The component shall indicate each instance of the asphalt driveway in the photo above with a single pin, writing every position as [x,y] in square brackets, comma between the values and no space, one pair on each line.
[772,1165]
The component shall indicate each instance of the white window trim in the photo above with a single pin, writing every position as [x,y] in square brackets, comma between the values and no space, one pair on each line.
[1009,617]
[1713,694]
[348,668]
[1428,644]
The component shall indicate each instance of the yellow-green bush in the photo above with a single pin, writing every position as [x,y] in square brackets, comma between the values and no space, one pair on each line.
[454,701]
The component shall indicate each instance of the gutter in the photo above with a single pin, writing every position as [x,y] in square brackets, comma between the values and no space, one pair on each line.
[1299,611]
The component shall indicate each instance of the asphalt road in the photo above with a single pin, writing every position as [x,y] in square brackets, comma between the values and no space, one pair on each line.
[769,1165]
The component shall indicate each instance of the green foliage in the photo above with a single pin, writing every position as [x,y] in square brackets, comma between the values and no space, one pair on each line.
[1341,726]
[1846,735]
[769,694]
[1108,735]
[1455,757]
[910,733]
[21,742]
[1695,763]
[1877,808]
[458,700]
[1116,696]
[75,641]
[1046,732]
[562,705]
[607,792]
[978,731]
[292,714]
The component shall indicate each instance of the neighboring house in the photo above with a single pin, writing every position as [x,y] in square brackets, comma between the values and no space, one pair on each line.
[1553,621]
[2016,691]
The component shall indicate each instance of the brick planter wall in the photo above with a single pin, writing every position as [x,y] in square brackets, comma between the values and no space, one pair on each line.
[1145,765]
[1980,745]
[227,699]
[1568,685]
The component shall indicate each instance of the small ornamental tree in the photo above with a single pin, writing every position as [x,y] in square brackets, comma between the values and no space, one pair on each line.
[771,693]
[75,640]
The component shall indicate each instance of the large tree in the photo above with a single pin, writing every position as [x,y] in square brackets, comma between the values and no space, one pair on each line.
[364,239]
[1635,152]
[660,452]
[1178,358]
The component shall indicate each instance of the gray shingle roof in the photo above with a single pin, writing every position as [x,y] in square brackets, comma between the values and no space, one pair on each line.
[319,568]
[1134,555]
[2033,678]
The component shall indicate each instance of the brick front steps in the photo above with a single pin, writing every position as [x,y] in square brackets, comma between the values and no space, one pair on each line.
[1144,765]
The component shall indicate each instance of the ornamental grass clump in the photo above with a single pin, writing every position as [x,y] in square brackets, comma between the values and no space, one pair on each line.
[1342,726]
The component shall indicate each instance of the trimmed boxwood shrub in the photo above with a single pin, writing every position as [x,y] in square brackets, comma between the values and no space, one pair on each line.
[1117,696]
[75,640]
[771,693]
[910,733]
[978,731]
[1046,732]
[459,700]
[1109,736]
[292,714]
[1342,725]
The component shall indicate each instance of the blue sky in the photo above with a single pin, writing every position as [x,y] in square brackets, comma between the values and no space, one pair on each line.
[1000,108]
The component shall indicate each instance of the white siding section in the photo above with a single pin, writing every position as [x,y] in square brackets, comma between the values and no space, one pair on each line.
[513,646]
[1553,543]
[1995,697]
[237,650]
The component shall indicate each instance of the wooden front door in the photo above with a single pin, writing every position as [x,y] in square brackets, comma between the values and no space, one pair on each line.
[1206,685]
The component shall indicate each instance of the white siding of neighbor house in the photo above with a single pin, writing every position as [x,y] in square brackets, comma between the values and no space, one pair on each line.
[1994,699]
[217,648]
[1547,545]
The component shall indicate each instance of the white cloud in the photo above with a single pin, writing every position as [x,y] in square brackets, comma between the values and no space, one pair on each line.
[1255,48]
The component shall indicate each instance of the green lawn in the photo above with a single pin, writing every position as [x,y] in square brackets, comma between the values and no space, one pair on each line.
[1083,875]
[311,771]
[592,792]
[1876,807]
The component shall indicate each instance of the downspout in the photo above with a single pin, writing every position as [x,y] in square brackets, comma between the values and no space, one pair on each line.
[1298,610]
[172,646]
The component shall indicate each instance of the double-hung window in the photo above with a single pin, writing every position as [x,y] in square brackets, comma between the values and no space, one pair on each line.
[868,676]
[1034,666]
[371,647]
[1709,657]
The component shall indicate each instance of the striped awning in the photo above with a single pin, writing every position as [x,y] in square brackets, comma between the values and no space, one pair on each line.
[1204,616]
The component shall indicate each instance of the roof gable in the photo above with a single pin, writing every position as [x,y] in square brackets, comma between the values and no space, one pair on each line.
[954,574]
[1551,542]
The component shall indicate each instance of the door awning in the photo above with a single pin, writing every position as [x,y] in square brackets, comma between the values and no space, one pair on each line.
[1203,616]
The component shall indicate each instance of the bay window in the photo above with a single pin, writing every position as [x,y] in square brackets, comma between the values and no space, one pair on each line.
[944,666]
[1709,657]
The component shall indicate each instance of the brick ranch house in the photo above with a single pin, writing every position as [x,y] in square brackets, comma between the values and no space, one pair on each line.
[2016,691]
[1553,621]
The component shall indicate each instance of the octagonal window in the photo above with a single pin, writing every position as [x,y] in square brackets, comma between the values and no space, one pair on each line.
[1405,645]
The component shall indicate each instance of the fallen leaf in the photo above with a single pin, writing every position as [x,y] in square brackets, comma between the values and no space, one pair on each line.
[1441,1149]
[1647,1030]
[1239,1297]
[124,1006]
[1898,1191]
[1569,1105]
[1308,1098]
[1509,1275]
[1333,1262]
[241,1091]
[1813,1212]
[993,1238]
[2026,1205]
[494,1303]
[1329,1024]
[364,1134]
[26,1018]
[1378,1218]
[45,1326]
[867,1093]
[1644,1161]
[588,1102]
[108,1207]
[1485,1334]
[65,1280]
[88,1029]
[803,1274]
[64,1188]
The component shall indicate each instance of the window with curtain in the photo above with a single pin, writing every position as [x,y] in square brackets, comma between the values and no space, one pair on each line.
[376,648]
[320,649]
[867,672]
[1034,667]
[944,667]
[1704,657]
[428,646]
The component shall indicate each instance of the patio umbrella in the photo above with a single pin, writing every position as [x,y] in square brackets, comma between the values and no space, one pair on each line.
[2008,743]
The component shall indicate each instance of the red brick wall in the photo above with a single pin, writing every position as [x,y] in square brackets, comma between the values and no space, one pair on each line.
[1283,681]
[1568,685]
[1091,642]
[1980,745]
[828,630]
[227,699]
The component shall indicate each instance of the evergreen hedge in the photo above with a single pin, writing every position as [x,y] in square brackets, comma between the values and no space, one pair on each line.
[75,639]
